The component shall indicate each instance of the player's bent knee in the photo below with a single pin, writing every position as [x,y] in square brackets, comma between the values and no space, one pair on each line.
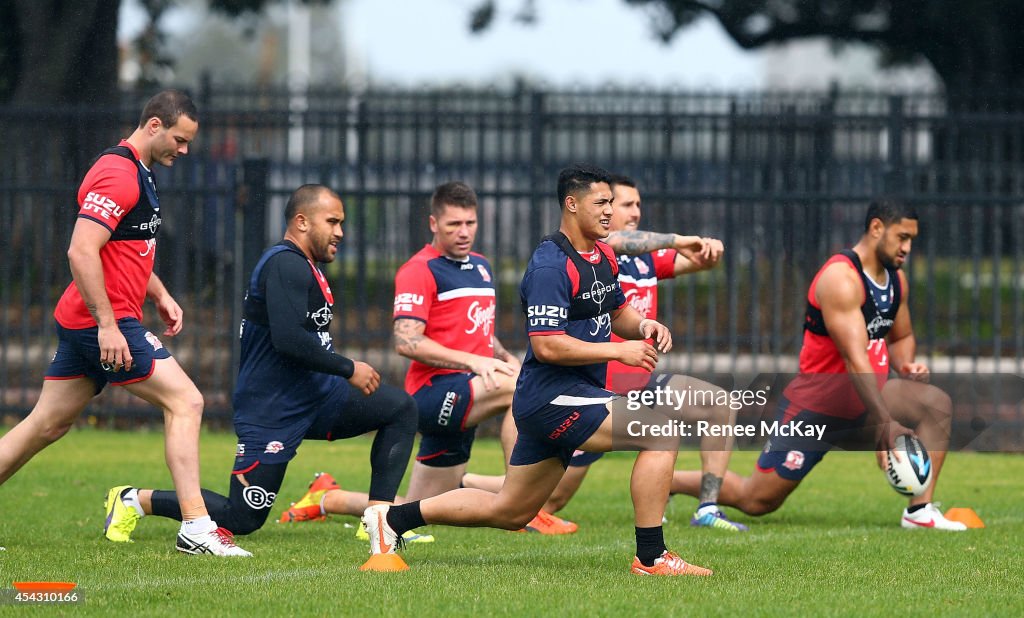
[53,432]
[409,414]
[191,405]
[761,506]
[248,523]
[514,521]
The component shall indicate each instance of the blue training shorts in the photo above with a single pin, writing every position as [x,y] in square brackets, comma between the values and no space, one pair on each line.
[793,458]
[444,404]
[277,445]
[78,355]
[558,428]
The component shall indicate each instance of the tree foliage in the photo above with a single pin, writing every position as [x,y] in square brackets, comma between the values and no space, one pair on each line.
[973,46]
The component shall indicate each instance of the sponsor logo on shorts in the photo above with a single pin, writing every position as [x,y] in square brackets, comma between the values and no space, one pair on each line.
[274,447]
[239,449]
[566,424]
[445,415]
[794,460]
[258,498]
[153,341]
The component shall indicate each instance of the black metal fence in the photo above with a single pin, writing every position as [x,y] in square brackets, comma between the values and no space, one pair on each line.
[782,178]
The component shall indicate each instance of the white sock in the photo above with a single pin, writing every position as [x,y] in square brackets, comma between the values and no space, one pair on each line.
[323,511]
[131,498]
[711,508]
[198,526]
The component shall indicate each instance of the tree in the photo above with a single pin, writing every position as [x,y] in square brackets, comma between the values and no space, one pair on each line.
[973,46]
[65,51]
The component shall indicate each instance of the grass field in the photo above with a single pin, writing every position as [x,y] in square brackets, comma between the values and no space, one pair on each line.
[835,548]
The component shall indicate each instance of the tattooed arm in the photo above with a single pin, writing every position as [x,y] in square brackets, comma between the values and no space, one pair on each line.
[412,343]
[638,242]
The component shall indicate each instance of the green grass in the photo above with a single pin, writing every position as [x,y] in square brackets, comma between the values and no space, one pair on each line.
[835,548]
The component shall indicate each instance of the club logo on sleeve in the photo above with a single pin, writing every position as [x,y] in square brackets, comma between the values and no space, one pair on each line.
[641,266]
[794,460]
[483,272]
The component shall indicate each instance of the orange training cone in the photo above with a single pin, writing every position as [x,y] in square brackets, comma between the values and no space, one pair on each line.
[966,516]
[385,563]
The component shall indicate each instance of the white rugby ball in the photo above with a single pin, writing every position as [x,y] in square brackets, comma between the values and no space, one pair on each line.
[912,474]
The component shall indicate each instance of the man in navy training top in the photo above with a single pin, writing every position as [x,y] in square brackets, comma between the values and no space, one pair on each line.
[291,384]
[650,258]
[573,303]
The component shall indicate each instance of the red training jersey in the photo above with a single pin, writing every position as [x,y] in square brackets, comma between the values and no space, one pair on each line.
[823,384]
[455,299]
[119,193]
[638,278]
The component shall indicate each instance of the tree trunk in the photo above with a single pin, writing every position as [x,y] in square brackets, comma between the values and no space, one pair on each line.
[69,52]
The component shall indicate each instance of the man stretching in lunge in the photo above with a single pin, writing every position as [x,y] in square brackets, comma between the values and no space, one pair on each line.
[292,385]
[573,303]
[651,258]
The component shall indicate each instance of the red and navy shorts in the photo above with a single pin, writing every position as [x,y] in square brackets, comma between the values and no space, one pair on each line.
[558,428]
[444,404]
[78,355]
[793,458]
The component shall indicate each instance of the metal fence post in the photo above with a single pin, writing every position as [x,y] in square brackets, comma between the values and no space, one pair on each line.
[894,181]
[253,207]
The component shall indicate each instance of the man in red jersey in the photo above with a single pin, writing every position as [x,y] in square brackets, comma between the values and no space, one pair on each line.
[100,335]
[857,326]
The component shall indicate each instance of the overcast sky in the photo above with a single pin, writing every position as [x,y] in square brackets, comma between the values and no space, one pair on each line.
[586,42]
[573,41]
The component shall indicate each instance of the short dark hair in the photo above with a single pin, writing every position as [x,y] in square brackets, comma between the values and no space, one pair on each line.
[577,178]
[302,197]
[452,193]
[619,179]
[888,210]
[168,106]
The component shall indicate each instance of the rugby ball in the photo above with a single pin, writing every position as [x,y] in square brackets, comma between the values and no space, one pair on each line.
[912,474]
